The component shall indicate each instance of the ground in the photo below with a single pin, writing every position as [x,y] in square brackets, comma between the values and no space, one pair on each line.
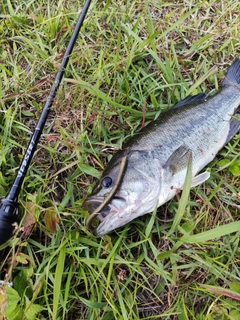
[133,61]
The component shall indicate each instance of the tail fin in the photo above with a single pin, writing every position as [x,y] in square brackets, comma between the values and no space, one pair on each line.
[233,75]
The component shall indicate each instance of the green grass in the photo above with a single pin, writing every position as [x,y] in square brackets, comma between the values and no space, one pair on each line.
[133,60]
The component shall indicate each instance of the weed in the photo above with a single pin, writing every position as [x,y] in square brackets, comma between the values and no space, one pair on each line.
[133,61]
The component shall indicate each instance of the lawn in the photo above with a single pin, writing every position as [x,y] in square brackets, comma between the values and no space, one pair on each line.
[132,62]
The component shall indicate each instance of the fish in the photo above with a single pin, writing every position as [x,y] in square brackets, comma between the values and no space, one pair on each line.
[157,157]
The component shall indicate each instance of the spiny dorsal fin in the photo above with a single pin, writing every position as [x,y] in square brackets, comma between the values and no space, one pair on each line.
[198,98]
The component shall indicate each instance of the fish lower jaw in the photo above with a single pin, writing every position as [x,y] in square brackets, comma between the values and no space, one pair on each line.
[118,219]
[133,209]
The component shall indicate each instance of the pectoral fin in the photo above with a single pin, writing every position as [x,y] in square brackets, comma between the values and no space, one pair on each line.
[200,178]
[178,160]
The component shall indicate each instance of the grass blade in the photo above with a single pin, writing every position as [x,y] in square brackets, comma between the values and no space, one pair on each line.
[58,281]
[184,198]
[215,233]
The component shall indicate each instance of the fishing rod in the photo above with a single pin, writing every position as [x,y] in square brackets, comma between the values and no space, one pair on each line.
[9,206]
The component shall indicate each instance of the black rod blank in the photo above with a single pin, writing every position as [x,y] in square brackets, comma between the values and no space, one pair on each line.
[9,205]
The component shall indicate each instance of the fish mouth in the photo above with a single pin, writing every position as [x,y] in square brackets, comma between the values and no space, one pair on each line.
[97,218]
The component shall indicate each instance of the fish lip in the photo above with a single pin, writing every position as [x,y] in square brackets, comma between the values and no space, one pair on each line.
[89,201]
[99,200]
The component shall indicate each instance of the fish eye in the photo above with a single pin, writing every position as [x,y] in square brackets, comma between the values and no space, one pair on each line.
[106,182]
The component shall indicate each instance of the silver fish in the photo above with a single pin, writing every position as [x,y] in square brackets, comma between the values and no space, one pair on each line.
[157,157]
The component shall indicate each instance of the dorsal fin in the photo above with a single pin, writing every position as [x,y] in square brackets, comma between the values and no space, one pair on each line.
[198,98]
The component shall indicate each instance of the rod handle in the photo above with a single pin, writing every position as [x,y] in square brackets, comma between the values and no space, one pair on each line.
[8,216]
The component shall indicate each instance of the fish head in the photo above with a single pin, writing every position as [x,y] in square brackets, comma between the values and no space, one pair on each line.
[136,194]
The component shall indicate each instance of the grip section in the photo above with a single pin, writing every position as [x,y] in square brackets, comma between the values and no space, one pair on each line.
[8,216]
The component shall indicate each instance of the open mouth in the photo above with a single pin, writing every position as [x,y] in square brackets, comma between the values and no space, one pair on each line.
[99,210]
